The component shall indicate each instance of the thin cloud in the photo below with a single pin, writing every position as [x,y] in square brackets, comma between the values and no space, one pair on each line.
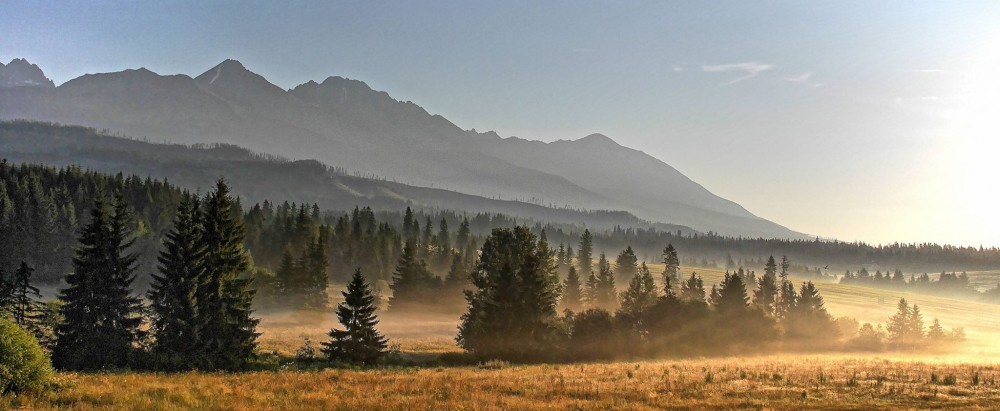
[749,69]
[677,68]
[804,77]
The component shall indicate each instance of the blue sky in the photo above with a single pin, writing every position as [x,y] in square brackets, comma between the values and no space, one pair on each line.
[855,120]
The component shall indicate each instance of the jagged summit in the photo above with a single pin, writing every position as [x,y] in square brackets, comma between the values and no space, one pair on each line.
[21,73]
[346,123]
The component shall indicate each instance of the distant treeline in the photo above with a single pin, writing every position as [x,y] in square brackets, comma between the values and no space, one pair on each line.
[947,284]
[42,208]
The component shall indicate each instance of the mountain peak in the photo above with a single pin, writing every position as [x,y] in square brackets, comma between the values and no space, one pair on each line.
[21,73]
[232,76]
[597,138]
[227,68]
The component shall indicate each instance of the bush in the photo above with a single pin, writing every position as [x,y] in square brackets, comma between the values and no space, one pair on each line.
[23,364]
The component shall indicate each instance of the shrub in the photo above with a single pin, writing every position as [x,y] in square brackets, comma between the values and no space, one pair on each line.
[23,364]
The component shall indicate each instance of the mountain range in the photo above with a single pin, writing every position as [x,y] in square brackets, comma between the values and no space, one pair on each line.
[257,177]
[344,123]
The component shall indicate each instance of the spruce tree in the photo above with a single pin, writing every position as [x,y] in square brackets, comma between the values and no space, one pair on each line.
[227,328]
[6,291]
[607,295]
[512,308]
[316,280]
[640,294]
[413,284]
[572,298]
[766,294]
[732,295]
[626,265]
[26,309]
[785,264]
[671,263]
[409,229]
[359,341]
[585,255]
[174,288]
[101,325]
[771,268]
[693,289]
[899,326]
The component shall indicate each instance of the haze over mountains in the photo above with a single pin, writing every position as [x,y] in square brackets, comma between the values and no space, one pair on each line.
[344,123]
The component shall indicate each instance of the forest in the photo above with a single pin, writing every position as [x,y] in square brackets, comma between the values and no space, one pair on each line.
[199,310]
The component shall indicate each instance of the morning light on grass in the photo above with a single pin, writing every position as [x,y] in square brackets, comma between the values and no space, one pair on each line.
[229,205]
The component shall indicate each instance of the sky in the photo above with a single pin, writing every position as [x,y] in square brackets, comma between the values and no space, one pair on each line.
[876,121]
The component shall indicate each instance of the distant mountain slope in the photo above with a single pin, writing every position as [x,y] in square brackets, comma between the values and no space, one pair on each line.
[257,177]
[344,122]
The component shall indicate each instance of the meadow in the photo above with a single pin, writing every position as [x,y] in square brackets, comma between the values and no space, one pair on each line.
[966,379]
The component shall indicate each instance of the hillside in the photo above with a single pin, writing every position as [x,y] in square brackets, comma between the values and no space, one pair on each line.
[255,177]
[344,122]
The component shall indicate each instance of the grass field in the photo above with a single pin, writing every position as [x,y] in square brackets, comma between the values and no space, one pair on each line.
[966,379]
[786,382]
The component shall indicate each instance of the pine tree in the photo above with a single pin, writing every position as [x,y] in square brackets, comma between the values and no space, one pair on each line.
[899,326]
[771,268]
[590,291]
[463,236]
[732,295]
[572,298]
[626,265]
[766,294]
[6,290]
[228,329]
[173,292]
[607,295]
[640,295]
[585,255]
[102,319]
[786,300]
[359,341]
[916,324]
[412,283]
[512,308]
[409,229]
[693,289]
[785,265]
[26,309]
[671,263]
[315,296]
[444,239]
[936,333]
[808,319]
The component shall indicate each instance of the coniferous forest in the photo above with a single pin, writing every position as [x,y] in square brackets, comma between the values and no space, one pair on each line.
[212,262]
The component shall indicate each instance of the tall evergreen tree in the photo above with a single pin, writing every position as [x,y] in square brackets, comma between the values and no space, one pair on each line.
[671,263]
[640,294]
[766,294]
[732,296]
[626,265]
[410,230]
[785,265]
[26,309]
[172,295]
[359,341]
[771,268]
[607,295]
[572,297]
[101,325]
[585,255]
[227,326]
[512,310]
[693,289]
[413,284]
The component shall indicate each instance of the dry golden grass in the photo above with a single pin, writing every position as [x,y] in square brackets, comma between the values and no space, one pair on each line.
[787,382]
[966,380]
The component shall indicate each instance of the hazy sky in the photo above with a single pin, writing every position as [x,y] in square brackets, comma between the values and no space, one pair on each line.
[872,120]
